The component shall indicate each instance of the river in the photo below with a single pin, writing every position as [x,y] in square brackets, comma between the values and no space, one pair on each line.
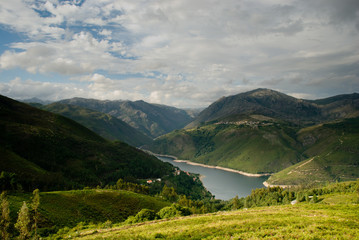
[223,184]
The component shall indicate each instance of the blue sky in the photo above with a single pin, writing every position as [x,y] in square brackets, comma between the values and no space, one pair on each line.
[184,53]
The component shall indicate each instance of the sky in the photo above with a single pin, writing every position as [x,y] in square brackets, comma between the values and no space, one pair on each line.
[185,53]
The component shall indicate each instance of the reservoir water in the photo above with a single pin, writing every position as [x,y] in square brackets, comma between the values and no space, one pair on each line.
[223,184]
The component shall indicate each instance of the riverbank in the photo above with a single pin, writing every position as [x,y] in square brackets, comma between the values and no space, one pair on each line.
[225,169]
[210,166]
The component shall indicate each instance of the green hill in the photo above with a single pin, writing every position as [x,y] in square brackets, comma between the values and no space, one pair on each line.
[105,125]
[150,119]
[68,208]
[333,151]
[251,145]
[328,212]
[259,144]
[49,151]
[284,222]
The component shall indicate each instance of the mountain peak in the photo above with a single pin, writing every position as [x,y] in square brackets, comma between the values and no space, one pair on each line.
[274,104]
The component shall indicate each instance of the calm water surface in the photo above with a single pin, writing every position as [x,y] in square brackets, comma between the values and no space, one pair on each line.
[224,185]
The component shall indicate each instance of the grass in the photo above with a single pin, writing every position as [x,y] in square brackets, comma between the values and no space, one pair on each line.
[301,221]
[68,208]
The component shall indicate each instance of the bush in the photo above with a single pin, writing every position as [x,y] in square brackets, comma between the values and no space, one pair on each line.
[173,211]
[142,216]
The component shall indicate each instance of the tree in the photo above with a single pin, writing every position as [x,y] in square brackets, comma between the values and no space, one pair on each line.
[35,206]
[5,217]
[23,222]
[169,193]
[235,203]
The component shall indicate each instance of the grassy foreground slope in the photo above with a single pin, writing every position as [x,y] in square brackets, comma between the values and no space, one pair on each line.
[68,208]
[301,221]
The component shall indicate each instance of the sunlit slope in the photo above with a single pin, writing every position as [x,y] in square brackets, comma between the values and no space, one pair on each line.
[333,155]
[255,148]
[68,208]
[302,221]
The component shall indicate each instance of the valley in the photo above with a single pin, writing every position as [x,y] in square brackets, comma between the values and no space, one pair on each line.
[81,154]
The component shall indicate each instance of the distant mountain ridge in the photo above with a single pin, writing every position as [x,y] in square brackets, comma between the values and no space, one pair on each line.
[279,105]
[151,119]
[103,124]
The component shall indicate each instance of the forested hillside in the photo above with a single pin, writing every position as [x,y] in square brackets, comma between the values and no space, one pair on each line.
[43,150]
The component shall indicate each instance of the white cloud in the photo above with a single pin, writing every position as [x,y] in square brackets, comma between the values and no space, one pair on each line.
[188,51]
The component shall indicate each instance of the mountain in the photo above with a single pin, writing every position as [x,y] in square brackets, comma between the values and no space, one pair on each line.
[103,124]
[150,119]
[264,131]
[48,151]
[251,145]
[333,155]
[274,104]
[35,100]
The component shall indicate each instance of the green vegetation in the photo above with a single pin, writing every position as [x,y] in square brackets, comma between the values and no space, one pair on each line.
[333,151]
[257,144]
[283,222]
[50,152]
[68,208]
[264,148]
[333,213]
[105,125]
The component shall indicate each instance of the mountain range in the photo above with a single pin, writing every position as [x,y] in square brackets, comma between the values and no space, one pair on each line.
[261,131]
[278,105]
[105,125]
[152,120]
[265,131]
[49,151]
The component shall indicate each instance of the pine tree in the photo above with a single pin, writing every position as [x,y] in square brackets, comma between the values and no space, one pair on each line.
[235,203]
[35,206]
[23,222]
[5,217]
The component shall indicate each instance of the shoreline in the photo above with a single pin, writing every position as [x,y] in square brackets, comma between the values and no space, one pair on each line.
[225,169]
[217,167]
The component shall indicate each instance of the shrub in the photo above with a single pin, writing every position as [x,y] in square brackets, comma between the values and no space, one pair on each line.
[142,216]
[174,211]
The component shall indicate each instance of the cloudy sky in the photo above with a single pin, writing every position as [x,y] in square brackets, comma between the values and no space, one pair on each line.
[185,53]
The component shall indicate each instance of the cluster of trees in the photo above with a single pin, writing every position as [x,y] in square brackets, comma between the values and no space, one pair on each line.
[27,221]
[129,186]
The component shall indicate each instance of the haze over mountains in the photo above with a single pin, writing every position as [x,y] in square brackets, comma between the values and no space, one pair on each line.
[151,119]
